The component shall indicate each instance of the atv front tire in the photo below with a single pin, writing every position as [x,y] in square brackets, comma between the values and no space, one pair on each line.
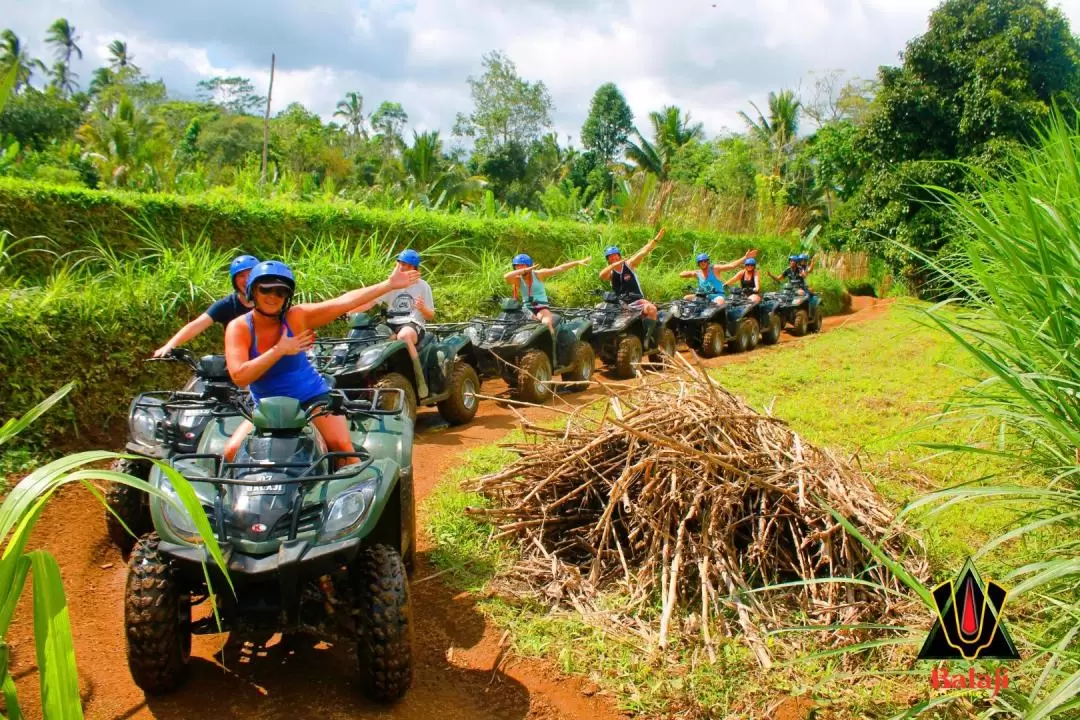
[712,344]
[665,346]
[747,336]
[129,503]
[628,357]
[397,381]
[384,641]
[534,377]
[814,325]
[771,336]
[461,406]
[157,620]
[583,361]
[800,324]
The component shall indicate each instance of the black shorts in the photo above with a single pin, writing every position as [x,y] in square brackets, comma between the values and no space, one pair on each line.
[420,332]
[311,401]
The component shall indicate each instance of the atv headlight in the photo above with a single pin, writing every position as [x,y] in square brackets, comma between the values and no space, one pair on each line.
[522,336]
[473,334]
[143,423]
[348,511]
[368,357]
[176,516]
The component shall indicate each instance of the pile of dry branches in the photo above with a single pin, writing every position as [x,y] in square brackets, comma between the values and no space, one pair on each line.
[680,491]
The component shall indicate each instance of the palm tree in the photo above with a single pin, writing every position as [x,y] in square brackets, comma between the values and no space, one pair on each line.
[14,53]
[120,59]
[64,79]
[102,78]
[423,159]
[352,110]
[779,130]
[671,130]
[62,36]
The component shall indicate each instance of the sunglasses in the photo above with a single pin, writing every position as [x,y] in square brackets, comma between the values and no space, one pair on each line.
[279,290]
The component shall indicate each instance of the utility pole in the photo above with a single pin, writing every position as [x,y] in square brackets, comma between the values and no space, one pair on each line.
[266,122]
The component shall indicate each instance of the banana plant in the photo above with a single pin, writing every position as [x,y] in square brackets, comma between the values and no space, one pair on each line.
[20,511]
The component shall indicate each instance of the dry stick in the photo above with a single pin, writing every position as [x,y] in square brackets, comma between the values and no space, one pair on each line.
[749,632]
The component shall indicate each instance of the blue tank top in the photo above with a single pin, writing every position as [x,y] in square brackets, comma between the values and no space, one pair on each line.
[538,296]
[710,284]
[291,376]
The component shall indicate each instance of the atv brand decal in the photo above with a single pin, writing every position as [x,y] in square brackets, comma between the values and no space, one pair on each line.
[969,627]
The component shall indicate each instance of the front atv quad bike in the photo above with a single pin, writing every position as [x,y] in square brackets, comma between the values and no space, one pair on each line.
[369,357]
[518,347]
[619,337]
[755,320]
[703,325]
[161,423]
[315,542]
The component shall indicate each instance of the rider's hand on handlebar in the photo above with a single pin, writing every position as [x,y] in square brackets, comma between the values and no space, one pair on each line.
[163,350]
[296,344]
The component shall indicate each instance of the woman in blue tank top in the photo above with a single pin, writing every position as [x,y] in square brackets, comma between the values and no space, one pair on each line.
[527,282]
[266,348]
[708,276]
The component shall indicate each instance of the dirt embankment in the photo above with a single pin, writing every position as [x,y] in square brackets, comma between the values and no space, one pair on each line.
[462,668]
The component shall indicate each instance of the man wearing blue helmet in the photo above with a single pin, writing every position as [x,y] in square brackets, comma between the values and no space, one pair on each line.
[409,310]
[708,276]
[528,284]
[223,311]
[792,274]
[624,280]
[749,279]
[265,349]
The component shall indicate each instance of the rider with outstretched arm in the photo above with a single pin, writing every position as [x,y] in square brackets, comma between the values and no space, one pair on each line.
[624,281]
[792,274]
[708,276]
[265,349]
[749,279]
[224,311]
[528,281]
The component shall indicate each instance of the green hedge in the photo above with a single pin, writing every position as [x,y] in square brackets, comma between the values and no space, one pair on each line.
[67,216]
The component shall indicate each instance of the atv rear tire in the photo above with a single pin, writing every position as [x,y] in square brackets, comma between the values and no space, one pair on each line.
[712,344]
[583,361]
[771,336]
[815,324]
[461,406]
[157,620]
[666,346]
[747,335]
[129,503]
[628,357]
[384,637]
[800,324]
[534,377]
[397,381]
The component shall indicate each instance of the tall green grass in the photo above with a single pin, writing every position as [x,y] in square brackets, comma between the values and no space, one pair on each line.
[1015,283]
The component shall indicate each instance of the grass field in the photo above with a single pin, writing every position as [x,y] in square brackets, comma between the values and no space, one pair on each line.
[863,391]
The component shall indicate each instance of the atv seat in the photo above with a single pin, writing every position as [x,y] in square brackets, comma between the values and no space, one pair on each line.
[278,413]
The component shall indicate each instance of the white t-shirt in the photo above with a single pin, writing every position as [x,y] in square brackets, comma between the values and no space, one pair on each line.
[403,300]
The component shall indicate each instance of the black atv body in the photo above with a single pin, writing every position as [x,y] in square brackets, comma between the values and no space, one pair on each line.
[798,308]
[618,334]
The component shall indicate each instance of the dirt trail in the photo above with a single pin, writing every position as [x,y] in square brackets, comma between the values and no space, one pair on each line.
[461,667]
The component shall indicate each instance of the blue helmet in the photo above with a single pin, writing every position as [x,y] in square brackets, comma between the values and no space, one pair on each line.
[750,261]
[239,265]
[803,257]
[409,257]
[271,271]
[611,250]
[794,258]
[522,259]
[702,256]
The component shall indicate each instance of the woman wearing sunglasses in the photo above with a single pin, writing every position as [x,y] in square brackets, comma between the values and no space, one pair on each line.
[265,349]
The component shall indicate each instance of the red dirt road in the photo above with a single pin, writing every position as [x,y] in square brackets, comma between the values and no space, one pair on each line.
[462,670]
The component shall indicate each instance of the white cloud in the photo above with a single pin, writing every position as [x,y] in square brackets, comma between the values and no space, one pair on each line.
[709,57]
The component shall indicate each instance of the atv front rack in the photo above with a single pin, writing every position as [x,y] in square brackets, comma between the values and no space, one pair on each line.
[221,480]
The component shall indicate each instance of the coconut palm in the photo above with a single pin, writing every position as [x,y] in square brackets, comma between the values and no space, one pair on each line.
[102,79]
[671,130]
[352,110]
[14,54]
[63,38]
[120,58]
[64,78]
[777,133]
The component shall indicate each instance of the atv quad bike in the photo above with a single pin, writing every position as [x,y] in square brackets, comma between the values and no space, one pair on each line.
[369,357]
[310,548]
[519,348]
[799,310]
[156,432]
[619,338]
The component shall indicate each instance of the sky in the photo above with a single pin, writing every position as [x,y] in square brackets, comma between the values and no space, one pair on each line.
[710,57]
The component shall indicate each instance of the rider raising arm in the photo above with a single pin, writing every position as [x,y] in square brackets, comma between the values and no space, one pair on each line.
[634,259]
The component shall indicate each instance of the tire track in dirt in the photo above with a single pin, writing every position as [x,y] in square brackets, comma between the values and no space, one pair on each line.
[462,670]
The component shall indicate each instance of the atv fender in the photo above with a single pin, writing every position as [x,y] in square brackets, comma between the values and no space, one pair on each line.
[369,360]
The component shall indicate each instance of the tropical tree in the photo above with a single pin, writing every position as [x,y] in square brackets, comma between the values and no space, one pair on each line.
[119,57]
[123,144]
[64,78]
[389,120]
[63,38]
[351,109]
[671,130]
[102,79]
[233,94]
[777,132]
[609,124]
[508,110]
[14,54]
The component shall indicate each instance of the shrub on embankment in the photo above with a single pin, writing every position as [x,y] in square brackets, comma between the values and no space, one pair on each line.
[132,282]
